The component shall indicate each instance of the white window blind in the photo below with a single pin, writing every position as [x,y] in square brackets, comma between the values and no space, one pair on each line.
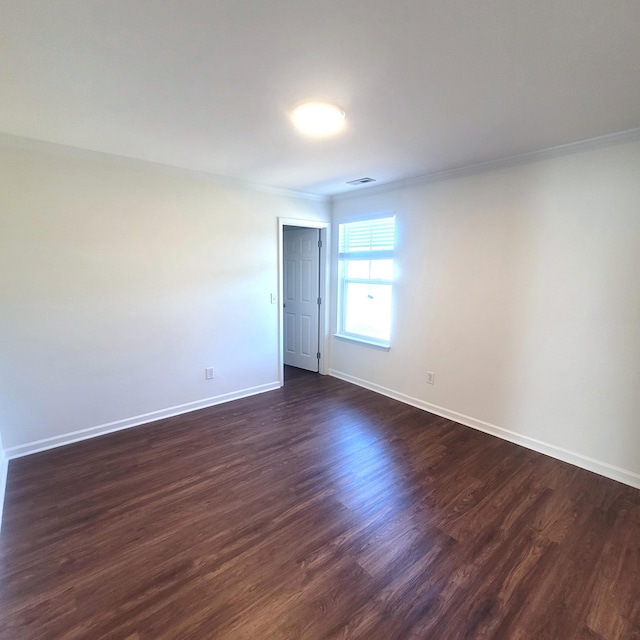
[367,236]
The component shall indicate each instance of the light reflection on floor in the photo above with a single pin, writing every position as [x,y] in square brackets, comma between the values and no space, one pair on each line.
[368,482]
[365,475]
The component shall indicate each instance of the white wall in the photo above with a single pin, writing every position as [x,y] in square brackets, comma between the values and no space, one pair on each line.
[120,282]
[520,289]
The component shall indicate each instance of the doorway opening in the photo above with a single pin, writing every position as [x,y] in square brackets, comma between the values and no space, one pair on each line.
[302,314]
[301,302]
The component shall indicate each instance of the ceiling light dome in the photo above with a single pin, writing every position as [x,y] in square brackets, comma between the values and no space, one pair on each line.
[318,118]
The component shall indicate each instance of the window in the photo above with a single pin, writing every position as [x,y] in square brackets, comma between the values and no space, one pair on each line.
[365,273]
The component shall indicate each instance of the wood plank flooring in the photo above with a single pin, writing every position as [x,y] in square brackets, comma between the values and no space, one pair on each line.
[320,510]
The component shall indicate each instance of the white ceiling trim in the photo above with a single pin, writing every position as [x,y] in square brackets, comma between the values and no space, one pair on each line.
[31,145]
[621,137]
[20,143]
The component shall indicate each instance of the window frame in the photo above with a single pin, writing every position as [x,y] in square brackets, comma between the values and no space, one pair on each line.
[343,259]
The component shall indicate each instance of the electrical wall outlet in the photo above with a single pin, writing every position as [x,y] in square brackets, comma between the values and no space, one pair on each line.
[431,377]
[208,373]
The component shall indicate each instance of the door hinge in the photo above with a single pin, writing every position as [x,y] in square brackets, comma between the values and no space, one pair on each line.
[319,244]
[318,355]
[319,300]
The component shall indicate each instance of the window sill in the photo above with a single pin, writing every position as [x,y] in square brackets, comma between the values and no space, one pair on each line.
[363,341]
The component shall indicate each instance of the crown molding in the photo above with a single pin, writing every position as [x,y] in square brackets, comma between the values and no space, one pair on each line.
[21,143]
[611,139]
[52,148]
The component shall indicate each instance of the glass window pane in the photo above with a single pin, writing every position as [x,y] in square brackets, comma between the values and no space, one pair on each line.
[358,269]
[382,269]
[368,310]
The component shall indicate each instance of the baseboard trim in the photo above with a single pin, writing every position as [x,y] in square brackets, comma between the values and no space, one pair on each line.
[135,421]
[585,462]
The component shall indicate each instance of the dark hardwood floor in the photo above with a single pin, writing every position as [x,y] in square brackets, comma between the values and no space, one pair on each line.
[320,510]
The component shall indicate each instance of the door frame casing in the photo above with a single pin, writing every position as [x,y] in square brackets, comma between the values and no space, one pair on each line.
[324,319]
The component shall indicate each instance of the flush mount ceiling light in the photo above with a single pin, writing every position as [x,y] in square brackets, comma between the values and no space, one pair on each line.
[318,118]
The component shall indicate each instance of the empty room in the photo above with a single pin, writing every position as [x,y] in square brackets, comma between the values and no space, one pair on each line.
[320,320]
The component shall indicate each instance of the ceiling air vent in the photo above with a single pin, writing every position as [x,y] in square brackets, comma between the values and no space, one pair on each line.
[361,181]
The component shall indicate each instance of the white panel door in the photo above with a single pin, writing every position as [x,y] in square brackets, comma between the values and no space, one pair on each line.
[301,274]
